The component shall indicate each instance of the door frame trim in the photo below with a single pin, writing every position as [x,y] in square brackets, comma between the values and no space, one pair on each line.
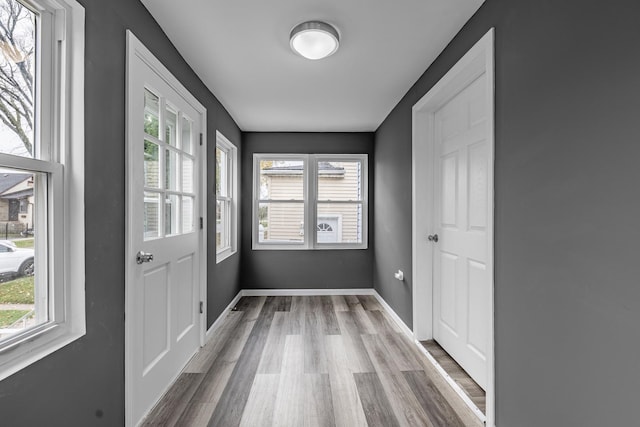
[477,61]
[135,48]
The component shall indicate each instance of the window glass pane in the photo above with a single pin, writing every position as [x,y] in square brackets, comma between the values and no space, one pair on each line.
[222,223]
[171,170]
[340,181]
[170,127]
[281,223]
[221,172]
[151,164]
[187,174]
[187,145]
[339,223]
[17,85]
[187,214]
[281,180]
[23,290]
[171,215]
[151,113]
[151,215]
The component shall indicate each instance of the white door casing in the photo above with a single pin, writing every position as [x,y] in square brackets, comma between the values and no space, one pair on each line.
[164,325]
[453,157]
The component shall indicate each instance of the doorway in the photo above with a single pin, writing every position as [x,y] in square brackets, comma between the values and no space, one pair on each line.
[453,152]
[165,252]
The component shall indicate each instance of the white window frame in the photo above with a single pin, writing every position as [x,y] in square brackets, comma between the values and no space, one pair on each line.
[60,137]
[231,200]
[310,186]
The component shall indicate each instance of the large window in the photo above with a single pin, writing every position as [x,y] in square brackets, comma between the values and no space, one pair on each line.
[41,179]
[310,201]
[226,196]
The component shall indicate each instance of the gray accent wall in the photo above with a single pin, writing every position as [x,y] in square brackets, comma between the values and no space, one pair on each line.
[567,298]
[82,384]
[298,269]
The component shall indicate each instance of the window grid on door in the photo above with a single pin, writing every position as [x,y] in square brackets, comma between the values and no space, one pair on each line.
[169,169]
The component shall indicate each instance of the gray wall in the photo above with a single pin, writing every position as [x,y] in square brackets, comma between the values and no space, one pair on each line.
[566,220]
[266,269]
[82,384]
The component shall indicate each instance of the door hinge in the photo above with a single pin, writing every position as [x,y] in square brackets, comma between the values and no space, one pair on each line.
[201,307]
[201,139]
[201,223]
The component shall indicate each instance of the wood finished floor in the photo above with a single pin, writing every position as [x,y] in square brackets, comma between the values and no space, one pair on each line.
[459,375]
[310,361]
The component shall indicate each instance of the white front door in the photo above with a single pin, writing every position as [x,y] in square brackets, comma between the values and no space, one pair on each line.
[163,320]
[461,282]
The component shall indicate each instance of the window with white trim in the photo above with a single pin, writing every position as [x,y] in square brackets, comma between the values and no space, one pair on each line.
[226,197]
[41,178]
[310,201]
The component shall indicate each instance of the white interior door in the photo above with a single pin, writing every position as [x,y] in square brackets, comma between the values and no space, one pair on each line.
[461,282]
[163,319]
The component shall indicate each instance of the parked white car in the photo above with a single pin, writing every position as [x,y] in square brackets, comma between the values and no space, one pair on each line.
[15,260]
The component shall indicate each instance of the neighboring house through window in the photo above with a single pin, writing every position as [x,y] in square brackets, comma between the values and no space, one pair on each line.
[294,191]
[226,197]
[41,177]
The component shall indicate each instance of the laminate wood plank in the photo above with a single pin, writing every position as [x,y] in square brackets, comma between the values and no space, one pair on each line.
[318,406]
[271,361]
[208,393]
[315,358]
[250,304]
[353,302]
[375,402]
[283,303]
[198,415]
[295,320]
[382,322]
[357,357]
[289,406]
[347,407]
[328,316]
[363,322]
[339,303]
[404,353]
[406,407]
[229,410]
[168,410]
[203,359]
[261,402]
[369,303]
[434,404]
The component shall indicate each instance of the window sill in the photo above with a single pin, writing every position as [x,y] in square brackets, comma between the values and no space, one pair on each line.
[35,347]
[222,255]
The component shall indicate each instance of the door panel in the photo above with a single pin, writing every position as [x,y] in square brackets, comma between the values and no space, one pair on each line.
[461,284]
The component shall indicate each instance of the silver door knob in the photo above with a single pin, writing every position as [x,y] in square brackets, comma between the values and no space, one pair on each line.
[433,238]
[143,257]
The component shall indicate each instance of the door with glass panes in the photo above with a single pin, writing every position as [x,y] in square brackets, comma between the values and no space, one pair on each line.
[164,233]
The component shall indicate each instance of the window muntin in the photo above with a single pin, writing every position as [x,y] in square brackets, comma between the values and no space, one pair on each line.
[168,170]
[226,195]
[43,137]
[310,201]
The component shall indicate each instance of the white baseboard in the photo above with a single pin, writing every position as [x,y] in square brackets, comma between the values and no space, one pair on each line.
[305,292]
[222,316]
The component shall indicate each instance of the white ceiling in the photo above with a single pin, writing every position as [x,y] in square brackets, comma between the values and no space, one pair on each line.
[240,50]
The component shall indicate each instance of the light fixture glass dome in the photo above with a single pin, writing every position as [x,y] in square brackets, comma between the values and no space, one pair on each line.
[314,39]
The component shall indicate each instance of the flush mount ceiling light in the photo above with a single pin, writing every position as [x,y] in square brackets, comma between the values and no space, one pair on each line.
[314,39]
